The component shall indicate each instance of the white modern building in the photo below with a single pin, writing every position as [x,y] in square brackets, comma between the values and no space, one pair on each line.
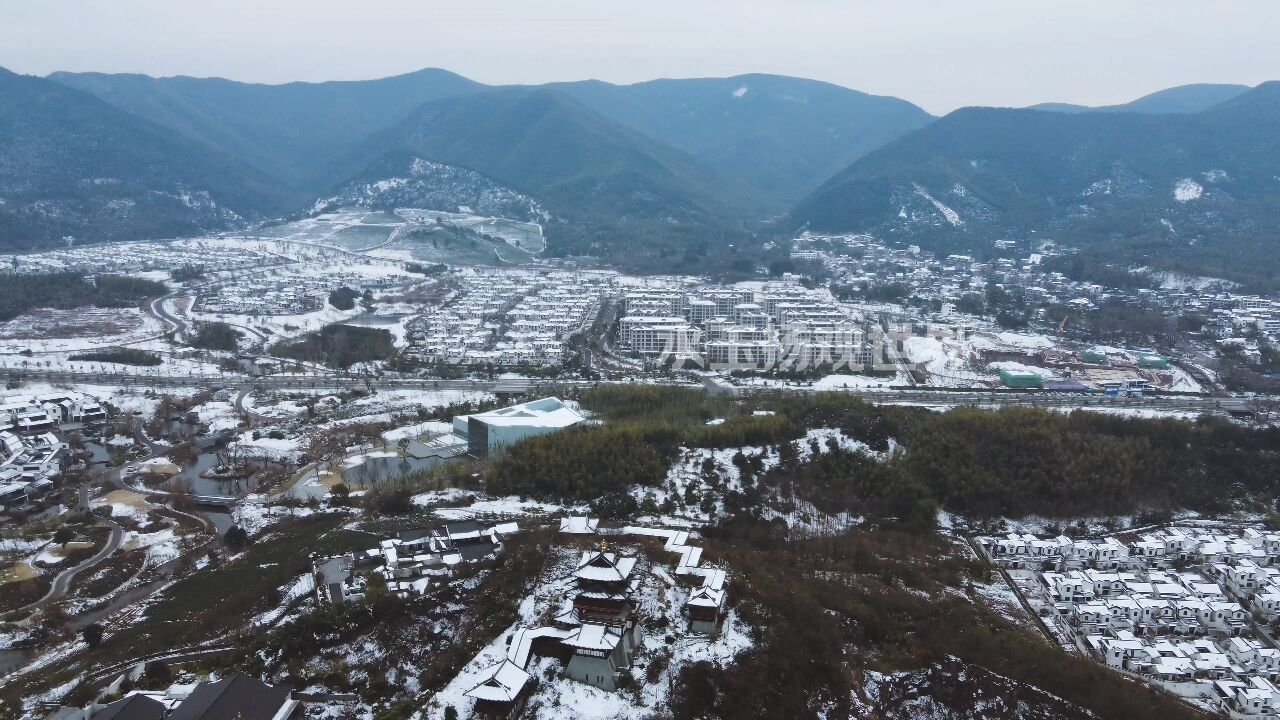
[491,431]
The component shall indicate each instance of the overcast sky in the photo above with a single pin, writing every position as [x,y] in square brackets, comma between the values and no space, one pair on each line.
[940,54]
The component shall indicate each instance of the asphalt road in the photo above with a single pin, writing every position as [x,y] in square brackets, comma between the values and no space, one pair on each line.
[243,407]
[173,323]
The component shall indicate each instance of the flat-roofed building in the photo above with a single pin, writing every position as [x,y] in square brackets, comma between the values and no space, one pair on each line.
[490,431]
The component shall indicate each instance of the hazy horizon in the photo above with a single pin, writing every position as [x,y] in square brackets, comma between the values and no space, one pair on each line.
[939,55]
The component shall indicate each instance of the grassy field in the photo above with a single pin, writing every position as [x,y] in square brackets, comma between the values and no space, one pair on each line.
[17,573]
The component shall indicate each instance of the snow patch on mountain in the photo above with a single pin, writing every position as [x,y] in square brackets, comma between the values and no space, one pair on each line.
[951,216]
[436,186]
[1102,187]
[1186,190]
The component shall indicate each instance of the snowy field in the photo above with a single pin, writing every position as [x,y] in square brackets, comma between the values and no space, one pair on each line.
[153,259]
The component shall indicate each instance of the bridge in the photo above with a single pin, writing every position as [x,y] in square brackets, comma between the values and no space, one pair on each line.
[225,501]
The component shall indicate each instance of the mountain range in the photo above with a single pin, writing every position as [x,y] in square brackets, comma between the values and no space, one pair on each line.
[1198,190]
[650,168]
[628,163]
[1181,99]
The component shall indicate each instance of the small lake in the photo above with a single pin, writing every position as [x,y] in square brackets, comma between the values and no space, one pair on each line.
[98,453]
[211,486]
[221,520]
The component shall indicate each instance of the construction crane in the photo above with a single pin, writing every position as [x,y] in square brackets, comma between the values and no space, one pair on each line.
[1063,326]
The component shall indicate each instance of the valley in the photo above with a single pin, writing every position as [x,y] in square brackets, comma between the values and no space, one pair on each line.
[423,398]
[277,400]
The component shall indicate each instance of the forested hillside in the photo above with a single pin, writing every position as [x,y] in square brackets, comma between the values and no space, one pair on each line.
[780,136]
[610,191]
[977,463]
[73,165]
[1192,192]
[290,131]
[544,144]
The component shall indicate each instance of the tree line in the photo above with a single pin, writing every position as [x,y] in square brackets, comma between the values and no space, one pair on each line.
[978,463]
[20,292]
[340,346]
[121,356]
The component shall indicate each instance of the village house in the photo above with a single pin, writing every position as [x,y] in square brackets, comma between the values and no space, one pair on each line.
[502,692]
[409,563]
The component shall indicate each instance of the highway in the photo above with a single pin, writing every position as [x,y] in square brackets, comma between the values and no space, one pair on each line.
[914,395]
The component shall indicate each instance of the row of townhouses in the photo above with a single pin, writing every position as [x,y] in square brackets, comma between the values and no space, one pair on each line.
[1160,548]
[732,328]
[1235,675]
[1174,606]
[276,292]
[508,318]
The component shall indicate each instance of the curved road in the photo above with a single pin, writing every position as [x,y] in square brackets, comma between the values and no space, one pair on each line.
[173,323]
[62,581]
[243,408]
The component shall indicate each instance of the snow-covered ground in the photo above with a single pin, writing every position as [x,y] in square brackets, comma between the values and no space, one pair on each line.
[483,505]
[51,330]
[255,516]
[126,399]
[218,415]
[429,428]
[841,382]
[687,473]
[412,400]
[660,601]
[161,546]
[264,446]
[1181,381]
[946,360]
[1001,340]
[124,504]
